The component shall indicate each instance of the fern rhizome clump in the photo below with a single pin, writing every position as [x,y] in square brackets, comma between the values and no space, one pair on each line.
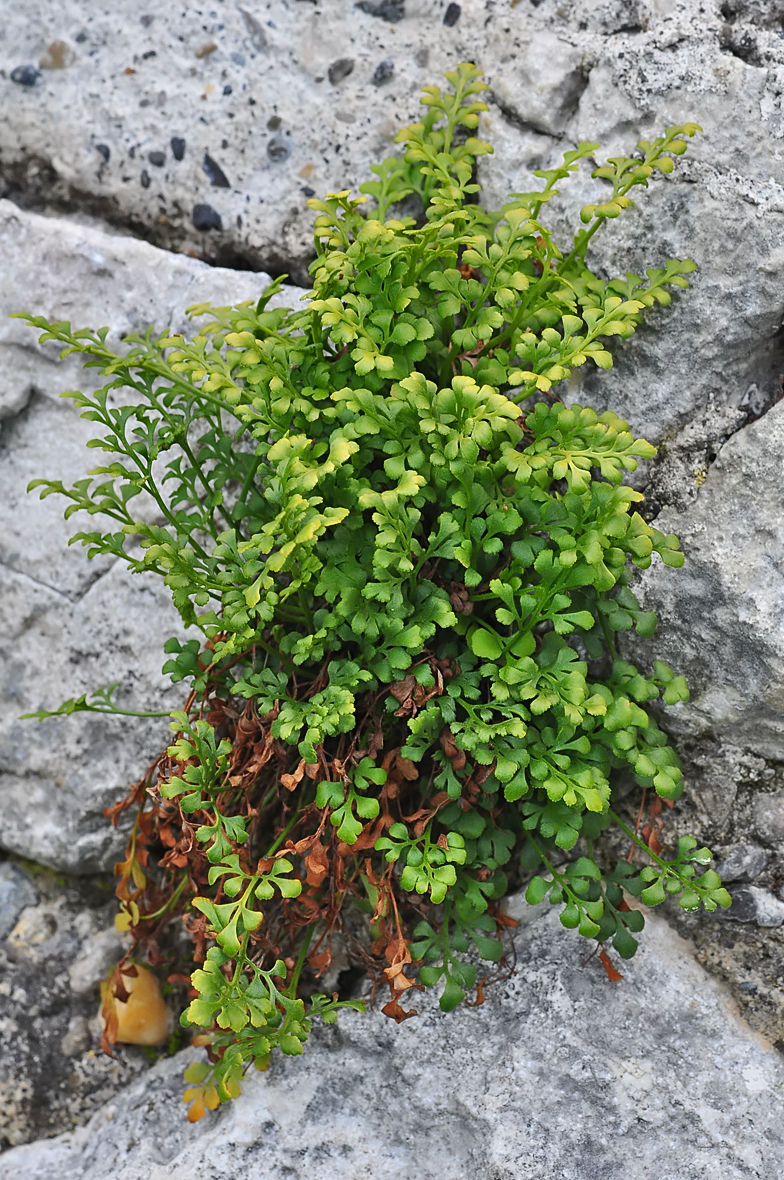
[407,689]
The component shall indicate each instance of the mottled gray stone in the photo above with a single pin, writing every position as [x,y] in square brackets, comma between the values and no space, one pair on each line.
[16,893]
[538,82]
[53,1075]
[559,1074]
[73,625]
[768,813]
[741,861]
[95,961]
[57,776]
[722,615]
[752,904]
[77,271]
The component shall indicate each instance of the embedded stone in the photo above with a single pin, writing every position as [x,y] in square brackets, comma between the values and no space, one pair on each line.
[768,813]
[212,168]
[742,861]
[17,891]
[752,904]
[25,75]
[340,69]
[205,217]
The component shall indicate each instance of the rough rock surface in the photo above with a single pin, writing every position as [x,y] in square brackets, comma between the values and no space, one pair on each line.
[77,271]
[722,615]
[239,113]
[60,944]
[70,625]
[16,894]
[560,1074]
[205,131]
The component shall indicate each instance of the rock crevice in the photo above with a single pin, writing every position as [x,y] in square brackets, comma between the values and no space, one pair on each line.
[112,117]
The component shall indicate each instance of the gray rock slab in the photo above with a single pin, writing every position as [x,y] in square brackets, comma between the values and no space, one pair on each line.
[73,625]
[715,345]
[742,861]
[92,278]
[244,112]
[57,776]
[53,1075]
[16,893]
[97,957]
[721,617]
[768,816]
[47,439]
[560,1074]
[75,271]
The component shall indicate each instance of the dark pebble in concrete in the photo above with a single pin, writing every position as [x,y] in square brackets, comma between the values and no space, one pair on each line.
[205,217]
[157,158]
[145,178]
[383,72]
[177,147]
[25,75]
[452,15]
[340,69]
[212,168]
[391,10]
[104,149]
[278,148]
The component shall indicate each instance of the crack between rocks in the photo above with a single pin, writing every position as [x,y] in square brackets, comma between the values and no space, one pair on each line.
[32,184]
[681,460]
[72,598]
[511,116]
[27,394]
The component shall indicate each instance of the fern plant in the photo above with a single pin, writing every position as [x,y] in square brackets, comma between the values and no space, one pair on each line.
[405,591]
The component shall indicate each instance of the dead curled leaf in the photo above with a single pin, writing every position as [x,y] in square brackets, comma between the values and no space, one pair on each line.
[133,1010]
[459,599]
[448,744]
[317,864]
[613,974]
[412,695]
[291,781]
[393,1009]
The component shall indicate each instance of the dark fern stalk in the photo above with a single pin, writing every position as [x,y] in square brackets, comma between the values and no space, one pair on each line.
[405,692]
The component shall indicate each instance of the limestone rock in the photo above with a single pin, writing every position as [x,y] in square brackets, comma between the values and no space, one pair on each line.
[58,775]
[752,904]
[97,957]
[559,1072]
[208,134]
[538,83]
[768,815]
[53,1074]
[71,625]
[16,893]
[76,271]
[741,861]
[721,617]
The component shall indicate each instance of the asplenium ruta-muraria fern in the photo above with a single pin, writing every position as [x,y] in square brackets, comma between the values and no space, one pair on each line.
[405,563]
